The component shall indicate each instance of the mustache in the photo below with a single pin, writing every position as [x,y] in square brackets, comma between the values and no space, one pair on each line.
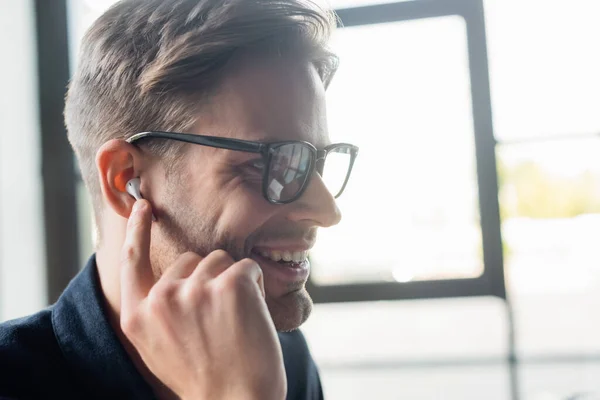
[282,233]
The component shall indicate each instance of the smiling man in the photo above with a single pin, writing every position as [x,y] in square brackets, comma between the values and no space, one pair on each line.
[196,291]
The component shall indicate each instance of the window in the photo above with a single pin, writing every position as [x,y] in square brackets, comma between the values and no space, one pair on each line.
[403,95]
[416,73]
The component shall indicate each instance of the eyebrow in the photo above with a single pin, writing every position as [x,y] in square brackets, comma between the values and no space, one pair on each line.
[267,139]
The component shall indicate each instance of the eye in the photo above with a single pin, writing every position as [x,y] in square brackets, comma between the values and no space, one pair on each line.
[258,164]
[255,166]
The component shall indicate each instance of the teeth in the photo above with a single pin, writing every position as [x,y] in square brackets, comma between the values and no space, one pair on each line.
[286,255]
[298,256]
[275,255]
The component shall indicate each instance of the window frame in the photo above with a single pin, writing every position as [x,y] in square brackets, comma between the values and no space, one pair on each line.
[59,174]
[491,282]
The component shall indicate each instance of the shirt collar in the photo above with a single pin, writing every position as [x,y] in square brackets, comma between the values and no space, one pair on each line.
[89,343]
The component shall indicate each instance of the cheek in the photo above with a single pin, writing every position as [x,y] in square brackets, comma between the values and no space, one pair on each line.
[245,211]
[202,193]
[229,208]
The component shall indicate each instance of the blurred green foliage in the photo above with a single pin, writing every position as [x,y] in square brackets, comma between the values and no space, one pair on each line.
[527,190]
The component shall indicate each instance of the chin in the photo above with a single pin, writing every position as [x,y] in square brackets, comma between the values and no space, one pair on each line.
[290,311]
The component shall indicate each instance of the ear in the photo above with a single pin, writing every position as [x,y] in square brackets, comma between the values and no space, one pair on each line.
[118,162]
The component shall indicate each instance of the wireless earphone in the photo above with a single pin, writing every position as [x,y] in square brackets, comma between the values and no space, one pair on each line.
[133,188]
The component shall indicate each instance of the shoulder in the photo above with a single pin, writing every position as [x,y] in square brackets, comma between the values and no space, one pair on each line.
[30,358]
[302,374]
[26,339]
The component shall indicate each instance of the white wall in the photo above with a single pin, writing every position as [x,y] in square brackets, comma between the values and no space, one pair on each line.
[22,253]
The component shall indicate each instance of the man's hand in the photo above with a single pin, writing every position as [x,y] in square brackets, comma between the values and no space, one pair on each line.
[204,328]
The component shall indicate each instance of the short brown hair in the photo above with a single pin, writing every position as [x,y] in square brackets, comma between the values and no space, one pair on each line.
[147,64]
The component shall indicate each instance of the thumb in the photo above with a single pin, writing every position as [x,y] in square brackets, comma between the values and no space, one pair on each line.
[136,272]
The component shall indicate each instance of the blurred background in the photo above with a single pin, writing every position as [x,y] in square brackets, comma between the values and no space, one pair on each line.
[467,265]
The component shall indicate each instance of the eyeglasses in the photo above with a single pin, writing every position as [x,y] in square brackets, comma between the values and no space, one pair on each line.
[287,167]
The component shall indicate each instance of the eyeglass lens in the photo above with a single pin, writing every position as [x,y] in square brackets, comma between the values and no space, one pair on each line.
[335,169]
[290,168]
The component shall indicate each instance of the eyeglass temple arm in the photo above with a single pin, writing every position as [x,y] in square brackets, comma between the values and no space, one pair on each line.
[212,141]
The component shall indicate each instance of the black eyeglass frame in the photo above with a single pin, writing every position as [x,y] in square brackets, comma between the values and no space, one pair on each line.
[267,150]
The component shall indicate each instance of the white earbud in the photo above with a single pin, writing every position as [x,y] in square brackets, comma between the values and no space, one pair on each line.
[133,188]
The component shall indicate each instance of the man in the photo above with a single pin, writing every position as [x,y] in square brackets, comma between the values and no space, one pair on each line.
[217,107]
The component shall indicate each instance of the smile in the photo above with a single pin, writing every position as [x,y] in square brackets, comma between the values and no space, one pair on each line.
[284,255]
[286,262]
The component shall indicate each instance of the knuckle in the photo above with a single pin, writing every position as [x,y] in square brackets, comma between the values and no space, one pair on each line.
[238,283]
[190,255]
[128,255]
[161,296]
[156,306]
[194,293]
[241,280]
[168,290]
[225,286]
[251,269]
[221,254]
[130,324]
[250,264]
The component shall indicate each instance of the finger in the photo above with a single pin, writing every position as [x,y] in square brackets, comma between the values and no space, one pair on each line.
[183,267]
[136,272]
[213,265]
[246,270]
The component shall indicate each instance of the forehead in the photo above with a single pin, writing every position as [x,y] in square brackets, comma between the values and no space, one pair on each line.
[280,99]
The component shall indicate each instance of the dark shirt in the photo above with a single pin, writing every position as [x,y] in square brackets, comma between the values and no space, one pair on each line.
[70,351]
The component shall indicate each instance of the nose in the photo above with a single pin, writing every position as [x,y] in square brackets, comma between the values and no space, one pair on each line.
[316,205]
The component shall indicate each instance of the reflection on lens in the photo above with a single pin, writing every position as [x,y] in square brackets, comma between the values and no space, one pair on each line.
[275,188]
[288,171]
[336,169]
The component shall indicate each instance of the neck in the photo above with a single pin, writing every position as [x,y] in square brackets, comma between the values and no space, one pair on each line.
[108,256]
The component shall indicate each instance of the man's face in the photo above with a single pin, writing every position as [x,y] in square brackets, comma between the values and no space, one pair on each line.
[213,200]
